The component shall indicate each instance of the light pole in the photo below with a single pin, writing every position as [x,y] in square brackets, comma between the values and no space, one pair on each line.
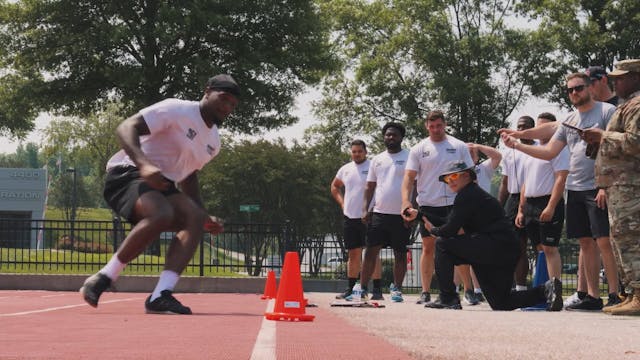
[73,204]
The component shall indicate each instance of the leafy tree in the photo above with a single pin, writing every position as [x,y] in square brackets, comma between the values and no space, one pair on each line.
[582,33]
[70,56]
[92,138]
[285,182]
[405,57]
[26,156]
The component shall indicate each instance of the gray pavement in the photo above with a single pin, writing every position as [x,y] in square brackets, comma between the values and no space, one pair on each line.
[477,332]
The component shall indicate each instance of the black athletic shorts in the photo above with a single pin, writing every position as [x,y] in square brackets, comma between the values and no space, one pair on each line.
[545,233]
[511,211]
[355,232]
[584,218]
[389,231]
[437,215]
[122,188]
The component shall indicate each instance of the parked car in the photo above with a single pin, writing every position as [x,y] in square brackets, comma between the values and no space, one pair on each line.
[334,262]
[570,268]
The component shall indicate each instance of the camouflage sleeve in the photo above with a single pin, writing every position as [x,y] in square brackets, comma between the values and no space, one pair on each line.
[624,141]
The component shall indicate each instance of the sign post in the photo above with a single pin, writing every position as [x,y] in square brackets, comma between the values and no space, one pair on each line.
[249,208]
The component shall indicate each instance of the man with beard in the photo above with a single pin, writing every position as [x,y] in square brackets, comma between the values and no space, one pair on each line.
[617,169]
[586,213]
[386,226]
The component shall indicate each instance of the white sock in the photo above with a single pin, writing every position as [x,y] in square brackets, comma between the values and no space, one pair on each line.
[521,287]
[113,268]
[168,280]
[477,290]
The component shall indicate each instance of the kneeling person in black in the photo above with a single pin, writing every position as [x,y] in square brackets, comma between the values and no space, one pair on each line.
[478,233]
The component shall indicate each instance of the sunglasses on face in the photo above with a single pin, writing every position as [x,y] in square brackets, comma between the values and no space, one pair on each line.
[575,89]
[450,177]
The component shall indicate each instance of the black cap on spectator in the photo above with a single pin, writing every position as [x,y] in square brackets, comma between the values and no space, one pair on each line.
[224,82]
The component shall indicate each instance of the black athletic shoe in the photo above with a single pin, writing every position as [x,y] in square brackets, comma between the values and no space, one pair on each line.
[93,287]
[480,297]
[424,298]
[470,298]
[553,293]
[376,294]
[439,304]
[589,303]
[344,295]
[614,299]
[165,304]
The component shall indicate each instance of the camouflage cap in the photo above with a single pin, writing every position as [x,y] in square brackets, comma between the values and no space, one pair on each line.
[625,66]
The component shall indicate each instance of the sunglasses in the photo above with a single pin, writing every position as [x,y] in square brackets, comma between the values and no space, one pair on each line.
[576,89]
[453,177]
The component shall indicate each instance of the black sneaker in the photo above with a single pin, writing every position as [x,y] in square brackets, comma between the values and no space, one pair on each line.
[376,294]
[480,297]
[425,297]
[344,295]
[93,287]
[614,299]
[553,293]
[439,304]
[589,303]
[165,304]
[470,298]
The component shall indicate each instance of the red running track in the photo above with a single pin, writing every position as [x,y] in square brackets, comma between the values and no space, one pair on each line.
[59,325]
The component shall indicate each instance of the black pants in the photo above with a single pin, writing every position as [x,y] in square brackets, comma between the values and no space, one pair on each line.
[493,258]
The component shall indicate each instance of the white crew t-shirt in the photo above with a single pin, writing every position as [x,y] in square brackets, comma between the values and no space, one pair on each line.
[387,171]
[513,164]
[540,174]
[179,142]
[354,178]
[431,159]
[484,173]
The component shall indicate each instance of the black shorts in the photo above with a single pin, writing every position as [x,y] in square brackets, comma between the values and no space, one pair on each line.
[355,232]
[122,188]
[545,233]
[388,231]
[437,215]
[511,211]
[584,218]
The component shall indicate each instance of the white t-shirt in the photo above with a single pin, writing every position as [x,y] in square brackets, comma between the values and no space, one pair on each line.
[179,142]
[540,174]
[387,171]
[354,178]
[513,164]
[431,159]
[484,172]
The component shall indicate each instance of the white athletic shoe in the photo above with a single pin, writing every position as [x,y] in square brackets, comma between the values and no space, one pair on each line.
[572,300]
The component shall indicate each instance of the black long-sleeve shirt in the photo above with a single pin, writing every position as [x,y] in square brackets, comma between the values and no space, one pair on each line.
[475,211]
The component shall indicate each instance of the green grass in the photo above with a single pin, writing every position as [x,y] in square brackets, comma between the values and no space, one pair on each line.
[97,214]
[27,261]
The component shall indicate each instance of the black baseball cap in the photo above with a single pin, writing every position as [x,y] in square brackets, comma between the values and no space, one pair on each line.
[224,82]
[596,72]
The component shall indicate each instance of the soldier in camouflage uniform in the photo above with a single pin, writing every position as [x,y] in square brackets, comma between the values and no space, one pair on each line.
[618,171]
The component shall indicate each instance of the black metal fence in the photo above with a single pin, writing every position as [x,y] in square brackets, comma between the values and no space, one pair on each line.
[243,250]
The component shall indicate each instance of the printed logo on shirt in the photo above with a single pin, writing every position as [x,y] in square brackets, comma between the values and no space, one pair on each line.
[451,151]
[426,153]
[365,172]
[191,134]
[210,150]
[400,162]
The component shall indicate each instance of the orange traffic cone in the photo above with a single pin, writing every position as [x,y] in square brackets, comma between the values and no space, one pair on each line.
[290,302]
[270,286]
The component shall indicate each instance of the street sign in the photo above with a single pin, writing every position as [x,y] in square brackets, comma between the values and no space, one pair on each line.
[250,208]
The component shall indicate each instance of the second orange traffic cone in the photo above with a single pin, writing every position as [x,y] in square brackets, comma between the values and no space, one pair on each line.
[270,287]
[290,304]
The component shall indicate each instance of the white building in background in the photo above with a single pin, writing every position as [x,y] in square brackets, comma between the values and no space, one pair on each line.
[23,194]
